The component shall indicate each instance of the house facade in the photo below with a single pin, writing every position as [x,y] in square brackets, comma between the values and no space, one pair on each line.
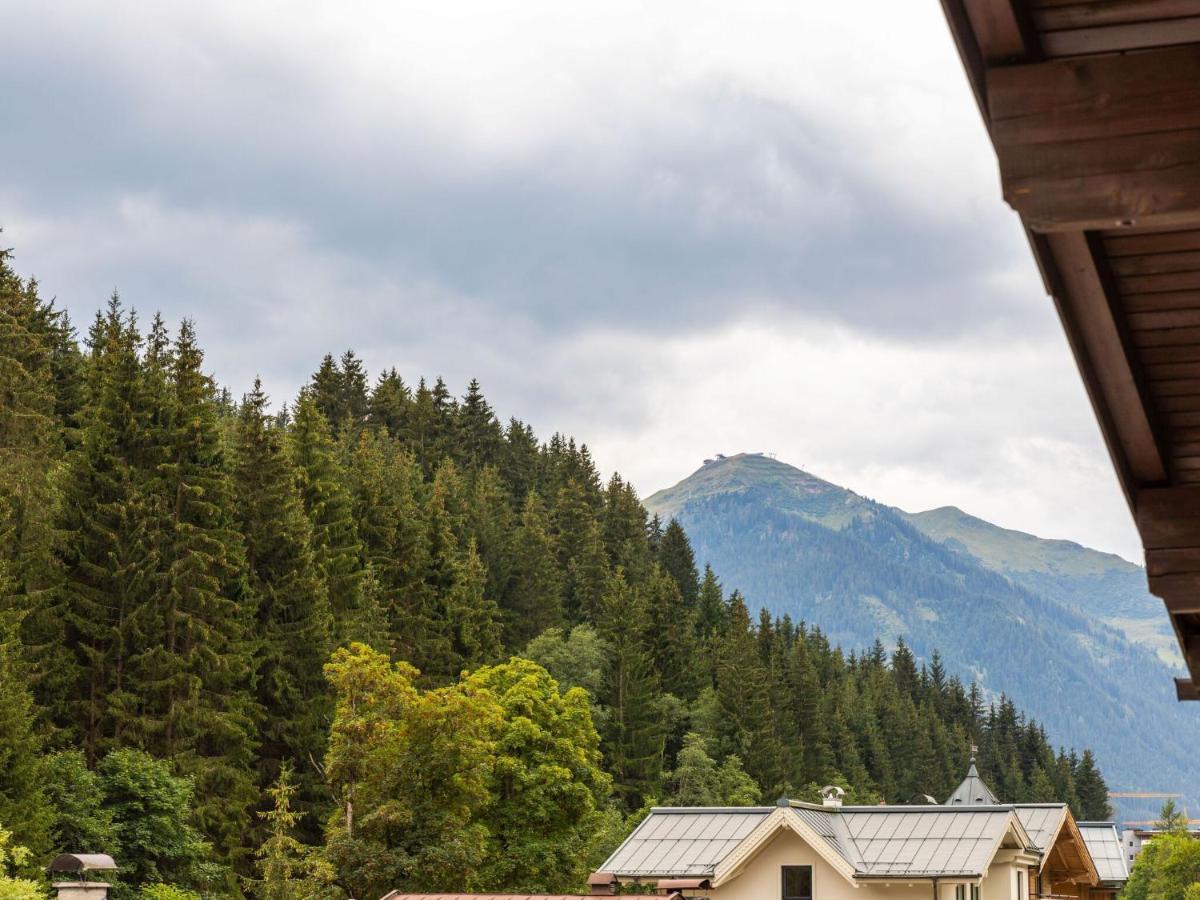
[971,848]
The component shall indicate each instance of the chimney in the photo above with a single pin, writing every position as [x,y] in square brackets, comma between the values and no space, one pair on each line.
[76,867]
[602,883]
[831,796]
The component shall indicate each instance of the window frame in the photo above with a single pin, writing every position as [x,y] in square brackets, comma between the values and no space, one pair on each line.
[783,875]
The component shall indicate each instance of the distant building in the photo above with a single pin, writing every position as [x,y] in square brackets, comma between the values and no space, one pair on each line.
[971,848]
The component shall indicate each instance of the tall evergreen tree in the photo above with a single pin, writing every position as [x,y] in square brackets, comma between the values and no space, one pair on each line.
[337,550]
[634,736]
[198,708]
[291,622]
[535,601]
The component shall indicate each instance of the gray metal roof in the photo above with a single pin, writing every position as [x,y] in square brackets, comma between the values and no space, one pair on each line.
[684,841]
[1041,821]
[1104,844]
[972,791]
[877,841]
[925,841]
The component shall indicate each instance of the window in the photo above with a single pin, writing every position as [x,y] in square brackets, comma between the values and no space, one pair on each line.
[974,892]
[1022,877]
[960,892]
[797,883]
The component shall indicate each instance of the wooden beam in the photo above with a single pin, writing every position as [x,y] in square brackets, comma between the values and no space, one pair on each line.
[1003,30]
[1104,351]
[1100,142]
[1185,689]
[1180,593]
[1168,517]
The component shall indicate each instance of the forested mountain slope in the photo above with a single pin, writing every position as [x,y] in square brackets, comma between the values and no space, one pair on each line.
[374,638]
[1100,584]
[1013,622]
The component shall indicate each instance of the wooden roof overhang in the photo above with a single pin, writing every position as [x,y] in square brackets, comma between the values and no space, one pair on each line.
[1067,860]
[1093,107]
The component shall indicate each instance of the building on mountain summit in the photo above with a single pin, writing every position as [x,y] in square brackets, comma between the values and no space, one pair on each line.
[973,847]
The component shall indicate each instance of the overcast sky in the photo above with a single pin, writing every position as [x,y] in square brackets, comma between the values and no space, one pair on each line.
[670,228]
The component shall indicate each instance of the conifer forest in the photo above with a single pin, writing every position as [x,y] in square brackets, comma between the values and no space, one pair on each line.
[375,636]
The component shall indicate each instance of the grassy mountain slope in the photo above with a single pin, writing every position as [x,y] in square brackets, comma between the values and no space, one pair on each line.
[1100,584]
[859,569]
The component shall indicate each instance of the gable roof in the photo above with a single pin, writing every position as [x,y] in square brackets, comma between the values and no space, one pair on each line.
[1104,844]
[684,841]
[860,842]
[973,791]
[1042,821]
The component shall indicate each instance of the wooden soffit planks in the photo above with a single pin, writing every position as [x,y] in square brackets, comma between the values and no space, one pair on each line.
[1100,141]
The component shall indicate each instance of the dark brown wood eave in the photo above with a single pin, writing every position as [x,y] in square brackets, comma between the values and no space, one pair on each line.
[1093,107]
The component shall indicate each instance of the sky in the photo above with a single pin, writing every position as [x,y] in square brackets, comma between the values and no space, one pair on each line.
[671,229]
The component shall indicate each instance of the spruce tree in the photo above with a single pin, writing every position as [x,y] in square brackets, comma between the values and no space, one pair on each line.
[23,805]
[199,710]
[535,599]
[479,434]
[634,733]
[324,492]
[291,621]
[1092,791]
[103,615]
[743,692]
[677,559]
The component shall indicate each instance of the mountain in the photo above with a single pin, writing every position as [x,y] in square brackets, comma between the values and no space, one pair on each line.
[1016,613]
[1100,584]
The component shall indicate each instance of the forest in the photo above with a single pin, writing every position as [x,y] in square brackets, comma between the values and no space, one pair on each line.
[374,637]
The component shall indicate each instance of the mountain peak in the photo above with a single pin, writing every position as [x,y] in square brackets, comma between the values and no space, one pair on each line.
[769,480]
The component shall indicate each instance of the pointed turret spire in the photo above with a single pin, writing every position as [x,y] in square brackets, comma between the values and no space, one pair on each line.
[973,791]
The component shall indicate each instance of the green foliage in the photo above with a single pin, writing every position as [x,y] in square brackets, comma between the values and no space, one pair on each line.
[288,869]
[150,811]
[14,857]
[579,659]
[292,626]
[1168,868]
[23,801]
[174,569]
[159,891]
[410,772]
[83,822]
[548,789]
[1172,819]
[698,780]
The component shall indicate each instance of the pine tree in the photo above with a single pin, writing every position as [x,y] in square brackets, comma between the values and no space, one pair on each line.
[291,623]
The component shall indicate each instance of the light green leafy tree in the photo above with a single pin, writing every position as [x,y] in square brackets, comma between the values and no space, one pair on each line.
[697,780]
[548,789]
[13,858]
[410,772]
[1168,868]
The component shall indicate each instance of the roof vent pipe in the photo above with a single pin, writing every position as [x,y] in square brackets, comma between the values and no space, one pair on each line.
[831,796]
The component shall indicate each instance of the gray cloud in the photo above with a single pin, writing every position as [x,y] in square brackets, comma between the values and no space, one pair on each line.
[590,231]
